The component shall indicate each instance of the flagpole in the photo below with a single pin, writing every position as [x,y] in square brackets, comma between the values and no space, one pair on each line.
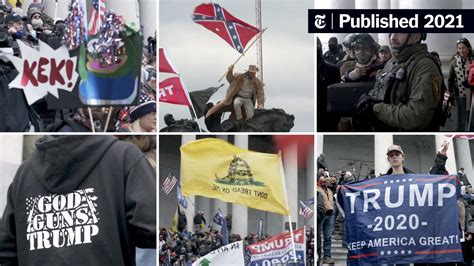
[305,255]
[246,49]
[282,172]
[190,103]
[109,115]
[91,119]
[448,141]
[56,11]
[292,238]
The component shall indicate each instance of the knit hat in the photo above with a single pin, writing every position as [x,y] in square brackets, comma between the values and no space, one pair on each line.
[146,105]
[34,12]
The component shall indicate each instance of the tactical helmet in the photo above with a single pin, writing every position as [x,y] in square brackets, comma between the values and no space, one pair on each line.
[347,42]
[365,38]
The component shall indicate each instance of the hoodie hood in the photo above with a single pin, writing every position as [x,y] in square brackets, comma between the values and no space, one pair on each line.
[61,163]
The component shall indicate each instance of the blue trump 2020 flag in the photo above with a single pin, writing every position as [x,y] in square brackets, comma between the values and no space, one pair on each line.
[402,219]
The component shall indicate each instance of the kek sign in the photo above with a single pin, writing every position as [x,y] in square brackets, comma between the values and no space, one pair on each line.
[44,71]
[402,219]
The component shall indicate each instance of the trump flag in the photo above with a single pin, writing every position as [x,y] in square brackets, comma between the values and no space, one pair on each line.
[278,250]
[172,91]
[234,31]
[398,219]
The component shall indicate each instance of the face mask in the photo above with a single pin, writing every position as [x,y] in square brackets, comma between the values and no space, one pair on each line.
[37,23]
[363,57]
[332,47]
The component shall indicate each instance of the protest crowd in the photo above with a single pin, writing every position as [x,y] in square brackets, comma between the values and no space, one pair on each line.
[32,26]
[185,247]
[331,219]
[365,86]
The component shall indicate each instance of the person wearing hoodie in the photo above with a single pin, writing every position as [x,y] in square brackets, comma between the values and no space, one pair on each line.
[79,200]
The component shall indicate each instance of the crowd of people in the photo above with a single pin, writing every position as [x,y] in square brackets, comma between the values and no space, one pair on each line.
[396,87]
[330,219]
[183,247]
[16,115]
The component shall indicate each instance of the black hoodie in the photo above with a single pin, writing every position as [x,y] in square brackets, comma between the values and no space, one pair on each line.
[79,200]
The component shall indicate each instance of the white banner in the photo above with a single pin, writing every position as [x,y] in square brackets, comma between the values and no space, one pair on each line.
[232,254]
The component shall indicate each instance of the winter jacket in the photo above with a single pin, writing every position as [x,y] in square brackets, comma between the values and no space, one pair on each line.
[79,200]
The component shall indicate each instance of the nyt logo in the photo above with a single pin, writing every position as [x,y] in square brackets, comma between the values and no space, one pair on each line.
[320,21]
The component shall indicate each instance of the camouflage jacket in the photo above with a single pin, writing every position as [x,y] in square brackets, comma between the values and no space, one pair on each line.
[410,87]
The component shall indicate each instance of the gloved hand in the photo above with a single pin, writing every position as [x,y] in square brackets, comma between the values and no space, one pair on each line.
[365,105]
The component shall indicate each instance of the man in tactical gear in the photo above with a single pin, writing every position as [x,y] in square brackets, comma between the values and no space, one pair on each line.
[365,50]
[327,74]
[334,55]
[385,54]
[407,92]
[348,62]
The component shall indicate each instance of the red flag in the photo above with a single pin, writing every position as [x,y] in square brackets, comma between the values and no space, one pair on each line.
[303,142]
[172,91]
[165,63]
[234,31]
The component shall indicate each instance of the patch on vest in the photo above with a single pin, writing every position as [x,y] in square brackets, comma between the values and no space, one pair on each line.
[436,88]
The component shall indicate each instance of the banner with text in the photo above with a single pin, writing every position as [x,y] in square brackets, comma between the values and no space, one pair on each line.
[231,255]
[278,250]
[402,219]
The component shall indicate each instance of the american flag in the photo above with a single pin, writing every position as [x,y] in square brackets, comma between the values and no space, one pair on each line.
[180,197]
[169,183]
[218,218]
[98,10]
[234,31]
[305,211]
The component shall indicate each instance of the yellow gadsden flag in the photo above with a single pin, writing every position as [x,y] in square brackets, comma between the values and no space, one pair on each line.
[214,168]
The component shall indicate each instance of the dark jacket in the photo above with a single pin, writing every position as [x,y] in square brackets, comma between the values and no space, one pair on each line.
[15,113]
[79,200]
[199,219]
[439,167]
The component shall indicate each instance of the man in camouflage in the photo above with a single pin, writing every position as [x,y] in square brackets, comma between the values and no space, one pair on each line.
[407,92]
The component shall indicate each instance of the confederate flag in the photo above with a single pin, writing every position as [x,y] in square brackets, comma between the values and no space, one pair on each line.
[234,31]
[172,91]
